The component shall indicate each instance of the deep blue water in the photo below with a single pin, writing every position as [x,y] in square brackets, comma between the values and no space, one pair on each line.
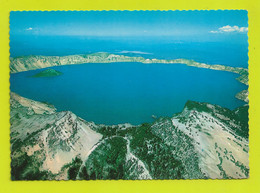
[223,49]
[128,92]
[132,92]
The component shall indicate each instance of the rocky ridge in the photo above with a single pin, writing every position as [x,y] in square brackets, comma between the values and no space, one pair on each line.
[203,141]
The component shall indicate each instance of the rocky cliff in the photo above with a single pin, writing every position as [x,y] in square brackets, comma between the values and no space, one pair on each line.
[43,140]
[203,141]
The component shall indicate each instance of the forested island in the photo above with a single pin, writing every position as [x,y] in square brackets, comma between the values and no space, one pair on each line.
[25,63]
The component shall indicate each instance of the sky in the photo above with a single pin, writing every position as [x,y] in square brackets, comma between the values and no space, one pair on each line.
[129,23]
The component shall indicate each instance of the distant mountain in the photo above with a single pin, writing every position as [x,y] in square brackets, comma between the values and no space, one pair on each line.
[203,141]
[47,73]
[25,63]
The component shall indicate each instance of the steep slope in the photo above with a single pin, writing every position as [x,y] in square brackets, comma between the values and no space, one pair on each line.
[44,140]
[203,141]
[220,138]
[112,158]
[25,63]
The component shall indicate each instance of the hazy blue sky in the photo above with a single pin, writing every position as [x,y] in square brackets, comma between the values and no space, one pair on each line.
[128,23]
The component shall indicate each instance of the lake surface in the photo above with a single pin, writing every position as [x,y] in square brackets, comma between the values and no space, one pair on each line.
[114,93]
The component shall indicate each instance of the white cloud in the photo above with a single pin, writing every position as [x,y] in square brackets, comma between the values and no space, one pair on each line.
[133,52]
[228,29]
[28,29]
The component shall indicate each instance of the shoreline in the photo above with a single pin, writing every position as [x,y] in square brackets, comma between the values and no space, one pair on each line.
[26,63]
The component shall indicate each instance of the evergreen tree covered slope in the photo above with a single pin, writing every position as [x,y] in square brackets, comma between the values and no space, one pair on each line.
[203,141]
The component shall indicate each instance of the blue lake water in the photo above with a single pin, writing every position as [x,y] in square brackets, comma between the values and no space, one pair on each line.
[128,92]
